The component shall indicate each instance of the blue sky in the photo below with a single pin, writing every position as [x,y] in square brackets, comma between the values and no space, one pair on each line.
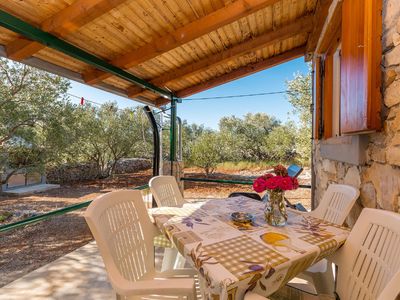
[209,112]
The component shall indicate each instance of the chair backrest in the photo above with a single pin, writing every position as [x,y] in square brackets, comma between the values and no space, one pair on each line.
[369,261]
[336,203]
[124,235]
[165,191]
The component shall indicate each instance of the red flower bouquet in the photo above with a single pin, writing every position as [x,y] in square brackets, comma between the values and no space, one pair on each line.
[276,185]
[278,182]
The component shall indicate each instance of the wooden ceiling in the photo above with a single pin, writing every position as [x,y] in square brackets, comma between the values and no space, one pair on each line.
[185,46]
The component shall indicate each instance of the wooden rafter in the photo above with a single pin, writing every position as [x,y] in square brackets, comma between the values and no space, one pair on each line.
[61,24]
[180,36]
[302,25]
[238,73]
[332,28]
[320,15]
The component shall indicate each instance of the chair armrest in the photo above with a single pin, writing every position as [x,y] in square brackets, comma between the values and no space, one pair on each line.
[157,287]
[176,272]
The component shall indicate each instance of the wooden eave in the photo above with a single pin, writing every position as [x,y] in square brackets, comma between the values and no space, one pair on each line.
[184,46]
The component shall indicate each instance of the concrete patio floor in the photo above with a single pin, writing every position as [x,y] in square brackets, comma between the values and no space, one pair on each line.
[80,275]
[77,275]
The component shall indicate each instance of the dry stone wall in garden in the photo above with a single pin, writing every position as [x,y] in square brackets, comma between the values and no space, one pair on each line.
[379,178]
[86,171]
[132,165]
[72,173]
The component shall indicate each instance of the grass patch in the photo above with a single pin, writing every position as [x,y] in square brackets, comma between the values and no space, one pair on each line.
[4,215]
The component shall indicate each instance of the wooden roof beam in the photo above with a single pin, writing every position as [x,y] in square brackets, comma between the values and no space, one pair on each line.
[320,16]
[302,25]
[182,35]
[61,24]
[238,73]
[332,28]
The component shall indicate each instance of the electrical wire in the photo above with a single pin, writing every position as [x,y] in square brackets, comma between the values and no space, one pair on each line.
[97,103]
[240,95]
[163,110]
[86,100]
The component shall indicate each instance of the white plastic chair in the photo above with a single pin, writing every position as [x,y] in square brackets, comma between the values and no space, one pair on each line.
[334,207]
[369,261]
[336,203]
[165,191]
[124,235]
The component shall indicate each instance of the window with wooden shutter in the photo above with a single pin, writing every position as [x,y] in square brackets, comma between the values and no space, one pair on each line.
[317,99]
[328,95]
[323,96]
[360,66]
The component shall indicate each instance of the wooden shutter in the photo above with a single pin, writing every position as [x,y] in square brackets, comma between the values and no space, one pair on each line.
[317,98]
[328,95]
[323,97]
[360,66]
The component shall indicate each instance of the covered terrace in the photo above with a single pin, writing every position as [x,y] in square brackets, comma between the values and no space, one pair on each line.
[158,52]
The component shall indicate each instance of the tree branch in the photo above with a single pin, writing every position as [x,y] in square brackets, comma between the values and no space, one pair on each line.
[9,135]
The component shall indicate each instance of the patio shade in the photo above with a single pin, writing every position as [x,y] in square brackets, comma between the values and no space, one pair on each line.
[179,46]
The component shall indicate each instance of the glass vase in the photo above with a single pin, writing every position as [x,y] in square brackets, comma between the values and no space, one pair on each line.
[275,209]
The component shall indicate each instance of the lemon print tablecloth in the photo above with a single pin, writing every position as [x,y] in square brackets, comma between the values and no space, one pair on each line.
[232,259]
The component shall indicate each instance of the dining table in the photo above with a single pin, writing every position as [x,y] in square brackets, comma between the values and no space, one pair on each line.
[232,258]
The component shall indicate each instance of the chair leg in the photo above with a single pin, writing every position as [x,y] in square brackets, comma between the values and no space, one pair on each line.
[172,260]
[168,262]
[324,282]
[180,261]
[193,295]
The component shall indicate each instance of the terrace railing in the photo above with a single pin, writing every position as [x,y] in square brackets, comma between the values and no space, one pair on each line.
[147,198]
[244,182]
[42,217]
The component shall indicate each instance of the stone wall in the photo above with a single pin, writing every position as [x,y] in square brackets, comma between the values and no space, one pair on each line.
[132,165]
[86,171]
[72,173]
[379,178]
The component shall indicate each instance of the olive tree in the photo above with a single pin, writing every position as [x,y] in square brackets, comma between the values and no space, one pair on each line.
[300,96]
[106,134]
[29,100]
[206,152]
[246,137]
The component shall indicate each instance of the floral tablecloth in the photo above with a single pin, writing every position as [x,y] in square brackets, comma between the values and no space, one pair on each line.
[233,259]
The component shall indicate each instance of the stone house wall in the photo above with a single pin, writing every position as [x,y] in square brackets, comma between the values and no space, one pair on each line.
[379,178]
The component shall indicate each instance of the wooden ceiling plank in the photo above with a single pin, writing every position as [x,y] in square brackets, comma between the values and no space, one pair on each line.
[61,24]
[301,25]
[320,15]
[182,35]
[239,73]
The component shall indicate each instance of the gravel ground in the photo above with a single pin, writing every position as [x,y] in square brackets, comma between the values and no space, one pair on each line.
[26,249]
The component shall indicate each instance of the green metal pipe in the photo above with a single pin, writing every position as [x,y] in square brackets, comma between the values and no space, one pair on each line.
[172,134]
[53,213]
[217,181]
[17,25]
[45,216]
[230,181]
[140,187]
